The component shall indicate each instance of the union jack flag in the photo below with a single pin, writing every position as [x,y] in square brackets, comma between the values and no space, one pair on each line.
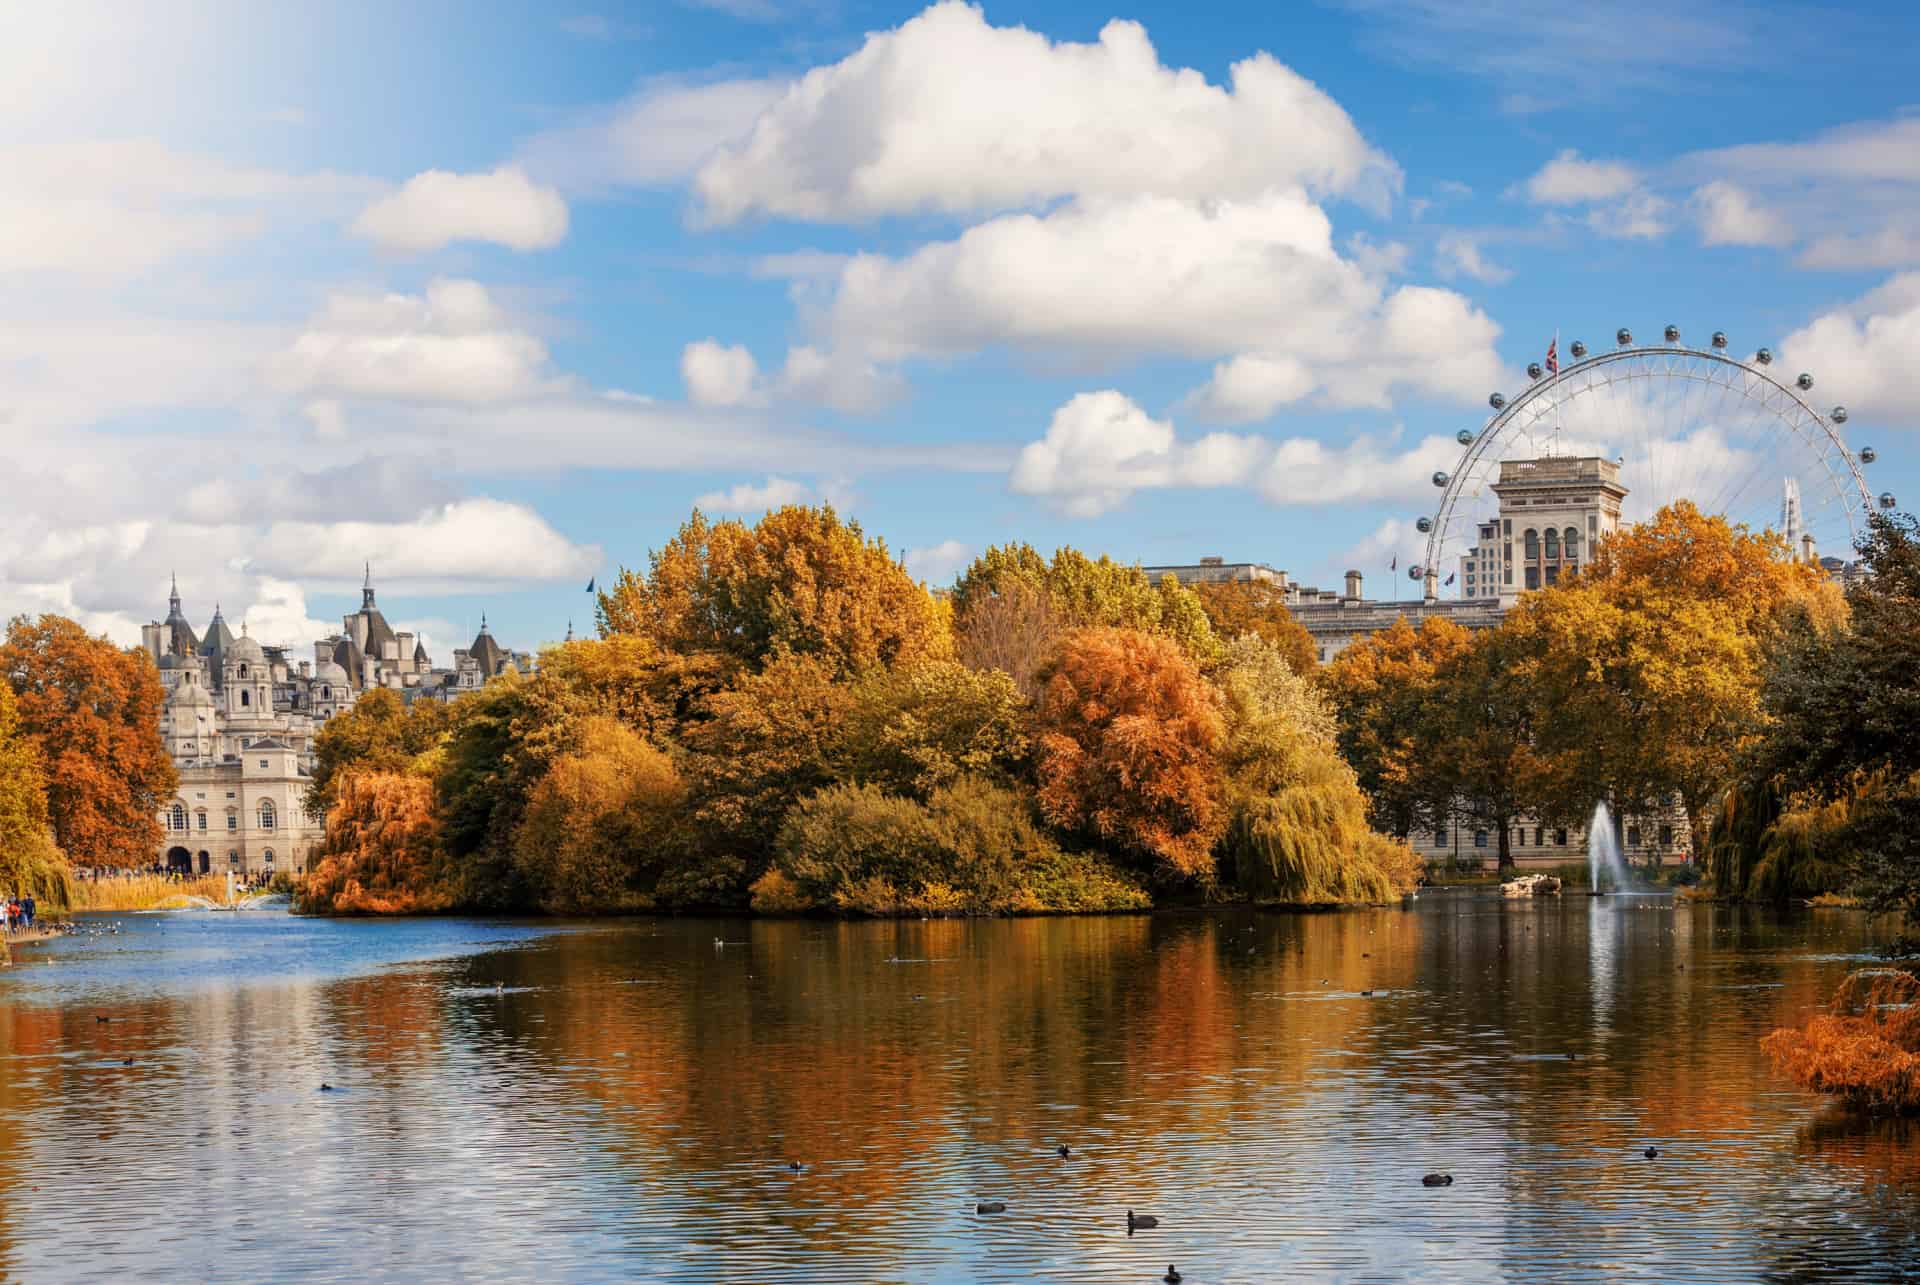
[1553,356]
[1450,576]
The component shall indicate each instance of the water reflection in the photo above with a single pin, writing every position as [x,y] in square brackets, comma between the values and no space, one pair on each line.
[626,1099]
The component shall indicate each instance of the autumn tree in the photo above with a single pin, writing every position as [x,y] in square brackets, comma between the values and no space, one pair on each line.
[916,728]
[1257,607]
[1129,746]
[380,733]
[1085,592]
[29,862]
[594,836]
[1014,630]
[1382,687]
[799,582]
[1476,736]
[92,711]
[382,853]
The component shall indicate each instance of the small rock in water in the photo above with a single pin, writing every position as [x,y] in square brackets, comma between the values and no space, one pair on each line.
[1437,1180]
[991,1207]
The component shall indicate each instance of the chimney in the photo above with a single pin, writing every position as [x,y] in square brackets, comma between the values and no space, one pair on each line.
[1807,552]
[1353,586]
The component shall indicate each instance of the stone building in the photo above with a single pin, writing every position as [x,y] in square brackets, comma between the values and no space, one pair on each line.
[240,719]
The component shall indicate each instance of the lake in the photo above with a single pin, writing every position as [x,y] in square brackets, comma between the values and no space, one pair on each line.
[592,1100]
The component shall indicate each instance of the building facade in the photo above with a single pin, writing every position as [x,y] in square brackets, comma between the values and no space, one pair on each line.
[240,719]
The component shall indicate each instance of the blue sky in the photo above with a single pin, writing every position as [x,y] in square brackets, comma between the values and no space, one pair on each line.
[492,295]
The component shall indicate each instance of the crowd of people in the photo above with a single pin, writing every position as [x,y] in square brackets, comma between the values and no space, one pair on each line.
[19,915]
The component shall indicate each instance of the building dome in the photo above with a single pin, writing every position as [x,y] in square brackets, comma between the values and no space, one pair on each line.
[245,648]
[190,695]
[170,661]
[328,672]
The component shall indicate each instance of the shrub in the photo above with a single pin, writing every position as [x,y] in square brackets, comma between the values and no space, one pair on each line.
[1867,1050]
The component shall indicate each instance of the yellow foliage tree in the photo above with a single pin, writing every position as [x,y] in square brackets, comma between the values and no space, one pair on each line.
[30,864]
[1236,607]
[382,854]
[1085,593]
[596,823]
[1383,688]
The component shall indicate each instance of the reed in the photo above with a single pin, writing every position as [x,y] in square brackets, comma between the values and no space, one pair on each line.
[144,892]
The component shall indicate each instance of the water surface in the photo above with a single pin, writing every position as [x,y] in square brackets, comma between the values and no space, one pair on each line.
[624,1099]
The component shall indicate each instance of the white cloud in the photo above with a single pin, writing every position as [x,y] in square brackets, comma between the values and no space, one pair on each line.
[1252,386]
[455,546]
[436,208]
[452,345]
[717,375]
[1570,179]
[939,564]
[1868,151]
[1729,215]
[1894,244]
[1639,217]
[1113,279]
[659,136]
[903,125]
[745,497]
[1101,447]
[1459,255]
[1862,354]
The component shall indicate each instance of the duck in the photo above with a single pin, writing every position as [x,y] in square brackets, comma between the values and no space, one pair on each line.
[991,1207]
[128,1062]
[1651,1153]
[1173,1276]
[1064,1150]
[325,1087]
[794,1166]
[1137,1221]
[101,1017]
[1437,1180]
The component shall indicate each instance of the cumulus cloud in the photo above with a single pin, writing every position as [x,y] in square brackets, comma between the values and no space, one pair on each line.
[436,208]
[1640,217]
[1729,215]
[1101,447]
[1893,244]
[939,564]
[1459,255]
[1570,179]
[1114,279]
[453,344]
[902,125]
[745,497]
[718,375]
[1863,351]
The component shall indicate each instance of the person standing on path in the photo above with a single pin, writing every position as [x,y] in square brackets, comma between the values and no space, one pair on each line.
[27,909]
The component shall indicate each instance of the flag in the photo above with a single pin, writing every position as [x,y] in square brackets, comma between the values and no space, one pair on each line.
[1450,576]
[1395,564]
[590,581]
[1553,356]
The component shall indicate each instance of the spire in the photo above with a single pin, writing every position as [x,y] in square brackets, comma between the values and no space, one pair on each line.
[173,594]
[569,631]
[366,590]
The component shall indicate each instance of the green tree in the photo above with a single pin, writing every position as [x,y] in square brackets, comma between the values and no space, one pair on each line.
[1083,593]
[92,711]
[914,729]
[381,733]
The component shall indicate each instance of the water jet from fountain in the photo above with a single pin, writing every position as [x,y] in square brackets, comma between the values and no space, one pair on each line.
[1603,852]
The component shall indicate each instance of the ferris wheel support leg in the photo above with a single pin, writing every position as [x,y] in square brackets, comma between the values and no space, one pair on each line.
[1432,581]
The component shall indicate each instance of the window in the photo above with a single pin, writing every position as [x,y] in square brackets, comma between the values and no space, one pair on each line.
[1533,545]
[201,822]
[246,697]
[200,795]
[1439,838]
[229,793]
[1633,836]
[1538,841]
[326,693]
[1508,577]
[1573,540]
[233,858]
[1533,577]
[263,765]
[267,856]
[243,671]
[266,816]
[1553,574]
[1560,838]
[233,821]
[1553,544]
[1479,838]
[1509,526]
[178,821]
[1666,836]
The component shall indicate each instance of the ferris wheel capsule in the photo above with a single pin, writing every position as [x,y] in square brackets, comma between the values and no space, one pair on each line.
[1764,356]
[1423,525]
[1533,370]
[1498,401]
[1838,414]
[1887,501]
[1579,351]
[1440,477]
[1868,455]
[1464,437]
[1719,339]
[1805,381]
[1623,337]
[1672,334]
[1415,571]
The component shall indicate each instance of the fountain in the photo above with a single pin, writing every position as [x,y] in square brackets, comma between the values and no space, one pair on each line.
[1603,852]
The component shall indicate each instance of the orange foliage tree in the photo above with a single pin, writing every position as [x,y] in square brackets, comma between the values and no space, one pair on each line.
[382,854]
[93,711]
[1237,607]
[798,582]
[1129,748]
[1867,1050]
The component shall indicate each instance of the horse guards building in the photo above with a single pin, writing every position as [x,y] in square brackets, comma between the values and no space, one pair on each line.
[240,718]
[1551,512]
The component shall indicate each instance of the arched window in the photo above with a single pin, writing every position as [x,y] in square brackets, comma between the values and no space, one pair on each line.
[200,821]
[266,815]
[246,697]
[1533,544]
[1572,539]
[1553,543]
[243,671]
[267,856]
[326,693]
[179,820]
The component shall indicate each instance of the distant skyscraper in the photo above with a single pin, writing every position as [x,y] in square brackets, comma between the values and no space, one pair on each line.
[1790,513]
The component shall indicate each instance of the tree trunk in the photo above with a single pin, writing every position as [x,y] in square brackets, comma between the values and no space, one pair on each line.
[1506,844]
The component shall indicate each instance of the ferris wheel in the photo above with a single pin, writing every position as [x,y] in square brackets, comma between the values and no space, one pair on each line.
[1674,422]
